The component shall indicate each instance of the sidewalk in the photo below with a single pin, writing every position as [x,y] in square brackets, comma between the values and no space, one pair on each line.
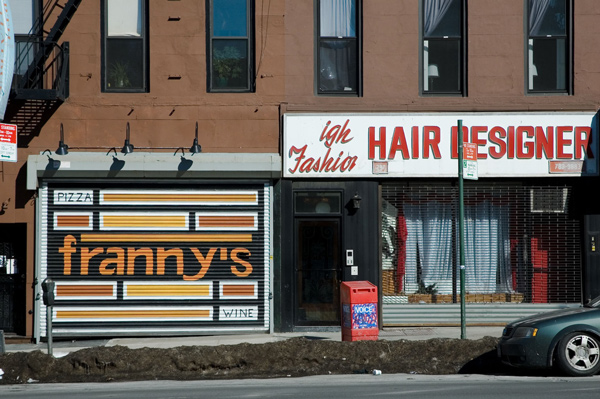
[62,348]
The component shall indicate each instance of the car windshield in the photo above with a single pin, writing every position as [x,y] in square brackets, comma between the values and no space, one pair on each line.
[594,303]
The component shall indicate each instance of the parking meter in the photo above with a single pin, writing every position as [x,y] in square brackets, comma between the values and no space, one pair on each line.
[48,292]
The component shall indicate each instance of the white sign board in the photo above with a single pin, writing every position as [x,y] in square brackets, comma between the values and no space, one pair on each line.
[386,145]
[470,161]
[8,142]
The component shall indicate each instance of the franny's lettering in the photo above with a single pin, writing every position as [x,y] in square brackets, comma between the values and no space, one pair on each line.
[121,261]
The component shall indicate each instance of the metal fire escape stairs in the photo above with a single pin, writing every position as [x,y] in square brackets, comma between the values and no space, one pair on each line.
[41,78]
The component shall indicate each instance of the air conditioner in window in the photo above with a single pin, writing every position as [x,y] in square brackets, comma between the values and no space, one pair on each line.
[549,199]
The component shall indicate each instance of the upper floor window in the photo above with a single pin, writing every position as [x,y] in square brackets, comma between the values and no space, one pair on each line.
[548,46]
[338,54]
[230,46]
[125,55]
[24,14]
[444,55]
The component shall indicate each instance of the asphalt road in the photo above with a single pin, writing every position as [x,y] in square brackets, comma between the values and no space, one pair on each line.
[330,387]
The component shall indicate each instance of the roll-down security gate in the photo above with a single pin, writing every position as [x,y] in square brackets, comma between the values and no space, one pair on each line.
[140,259]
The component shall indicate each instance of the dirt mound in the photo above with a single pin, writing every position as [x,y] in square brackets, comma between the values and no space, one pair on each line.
[293,357]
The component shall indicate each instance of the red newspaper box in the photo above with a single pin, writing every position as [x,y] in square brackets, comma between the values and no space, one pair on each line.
[359,311]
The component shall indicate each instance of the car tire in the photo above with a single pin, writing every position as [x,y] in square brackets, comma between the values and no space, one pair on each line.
[579,354]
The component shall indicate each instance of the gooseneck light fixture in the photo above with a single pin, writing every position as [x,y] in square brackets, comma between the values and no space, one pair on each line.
[128,147]
[196,148]
[62,149]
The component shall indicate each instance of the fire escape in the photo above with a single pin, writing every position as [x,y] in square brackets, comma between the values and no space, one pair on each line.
[41,77]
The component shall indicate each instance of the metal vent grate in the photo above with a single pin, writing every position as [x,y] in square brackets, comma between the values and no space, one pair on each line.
[549,199]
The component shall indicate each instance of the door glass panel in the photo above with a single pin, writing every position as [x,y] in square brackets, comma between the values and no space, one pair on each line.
[317,202]
[318,272]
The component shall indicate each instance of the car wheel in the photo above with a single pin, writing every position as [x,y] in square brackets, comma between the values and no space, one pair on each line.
[579,354]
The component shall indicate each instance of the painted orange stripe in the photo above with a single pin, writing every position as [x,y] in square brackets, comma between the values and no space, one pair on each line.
[238,290]
[84,290]
[167,290]
[144,221]
[166,237]
[173,197]
[226,221]
[97,314]
[72,220]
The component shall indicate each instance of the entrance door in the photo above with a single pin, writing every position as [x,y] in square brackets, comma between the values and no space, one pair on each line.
[318,272]
[13,240]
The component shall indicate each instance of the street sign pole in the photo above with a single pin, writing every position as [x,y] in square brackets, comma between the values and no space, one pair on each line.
[461,232]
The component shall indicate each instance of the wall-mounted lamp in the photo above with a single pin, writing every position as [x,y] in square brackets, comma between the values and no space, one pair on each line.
[196,148]
[356,201]
[128,147]
[62,149]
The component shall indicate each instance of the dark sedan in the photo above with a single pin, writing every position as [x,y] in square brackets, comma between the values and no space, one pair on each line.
[569,338]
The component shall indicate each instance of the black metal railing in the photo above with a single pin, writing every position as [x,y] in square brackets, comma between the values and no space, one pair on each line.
[51,75]
[40,62]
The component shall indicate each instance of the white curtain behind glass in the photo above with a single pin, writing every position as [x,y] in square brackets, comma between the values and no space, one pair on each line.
[124,18]
[389,221]
[429,228]
[487,248]
[536,15]
[337,18]
[434,11]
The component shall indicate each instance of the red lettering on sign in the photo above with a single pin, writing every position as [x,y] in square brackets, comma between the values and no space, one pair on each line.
[475,139]
[455,139]
[398,143]
[496,136]
[562,142]
[544,142]
[583,141]
[377,143]
[337,134]
[415,142]
[431,142]
[525,149]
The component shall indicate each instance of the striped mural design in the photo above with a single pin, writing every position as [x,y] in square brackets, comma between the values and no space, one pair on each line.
[81,314]
[226,221]
[238,290]
[135,260]
[143,221]
[129,238]
[164,290]
[73,221]
[150,197]
[85,291]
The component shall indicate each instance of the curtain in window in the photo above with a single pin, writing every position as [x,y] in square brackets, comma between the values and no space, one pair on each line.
[124,18]
[338,49]
[429,245]
[338,18]
[487,248]
[434,12]
[338,71]
[537,10]
[389,222]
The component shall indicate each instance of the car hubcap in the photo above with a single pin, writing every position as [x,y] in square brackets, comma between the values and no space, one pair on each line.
[582,352]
